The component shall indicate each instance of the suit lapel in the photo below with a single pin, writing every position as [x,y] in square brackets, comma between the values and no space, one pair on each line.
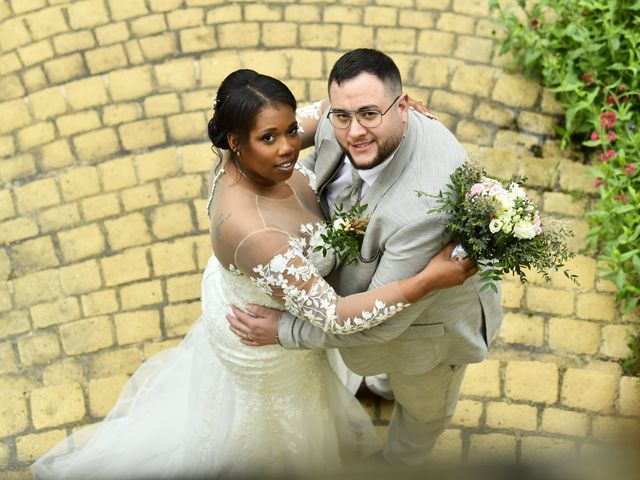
[328,161]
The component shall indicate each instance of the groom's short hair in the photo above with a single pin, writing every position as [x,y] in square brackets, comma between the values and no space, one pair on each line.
[367,60]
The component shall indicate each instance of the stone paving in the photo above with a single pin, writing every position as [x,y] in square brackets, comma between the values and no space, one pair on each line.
[104,164]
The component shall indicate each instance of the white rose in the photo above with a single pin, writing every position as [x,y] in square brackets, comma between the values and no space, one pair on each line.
[495,225]
[339,223]
[517,190]
[524,230]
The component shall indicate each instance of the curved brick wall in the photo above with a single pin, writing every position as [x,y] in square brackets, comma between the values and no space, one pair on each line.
[103,170]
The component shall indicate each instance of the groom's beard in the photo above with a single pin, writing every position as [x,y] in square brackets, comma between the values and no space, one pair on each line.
[385,149]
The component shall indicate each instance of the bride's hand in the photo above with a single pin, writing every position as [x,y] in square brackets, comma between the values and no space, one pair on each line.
[446,272]
[419,107]
[256,327]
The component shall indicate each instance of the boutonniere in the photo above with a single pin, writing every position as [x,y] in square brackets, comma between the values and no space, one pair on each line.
[344,233]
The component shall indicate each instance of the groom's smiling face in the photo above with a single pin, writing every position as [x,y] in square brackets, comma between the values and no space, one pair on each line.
[369,147]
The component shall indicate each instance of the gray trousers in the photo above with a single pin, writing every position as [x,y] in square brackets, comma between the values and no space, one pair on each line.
[424,406]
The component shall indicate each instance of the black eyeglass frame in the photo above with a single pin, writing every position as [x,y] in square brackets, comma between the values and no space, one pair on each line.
[354,113]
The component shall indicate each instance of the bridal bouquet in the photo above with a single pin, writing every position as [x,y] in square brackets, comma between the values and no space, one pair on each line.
[344,233]
[499,228]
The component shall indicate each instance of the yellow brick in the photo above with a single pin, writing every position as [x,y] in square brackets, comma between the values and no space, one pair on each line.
[86,93]
[36,254]
[179,318]
[196,157]
[13,322]
[187,186]
[38,349]
[117,174]
[453,103]
[18,229]
[482,379]
[116,362]
[80,278]
[134,52]
[123,9]
[182,288]
[7,146]
[615,430]
[164,5]
[211,72]
[149,25]
[73,42]
[36,195]
[14,417]
[14,115]
[5,300]
[150,349]
[141,294]
[104,59]
[36,287]
[448,447]
[56,155]
[532,381]
[629,396]
[5,265]
[522,329]
[451,22]
[175,75]
[140,197]
[159,105]
[381,16]
[157,164]
[537,123]
[35,53]
[63,372]
[13,33]
[87,14]
[340,14]
[197,39]
[596,306]
[269,63]
[476,49]
[85,336]
[142,134]
[516,91]
[186,17]
[435,42]
[582,266]
[100,206]
[615,339]
[11,87]
[488,112]
[7,358]
[79,182]
[62,311]
[131,83]
[312,36]
[492,447]
[306,64]
[574,336]
[550,301]
[57,218]
[57,405]
[116,114]
[564,422]
[416,19]
[542,449]
[239,35]
[159,46]
[78,122]
[31,447]
[18,384]
[579,228]
[22,6]
[112,33]
[467,413]
[262,13]
[35,135]
[354,36]
[187,126]
[475,9]
[46,22]
[125,267]
[127,231]
[396,39]
[171,258]
[99,303]
[171,220]
[81,242]
[589,390]
[502,415]
[65,69]
[18,167]
[34,78]
[473,79]
[103,394]
[280,34]
[302,13]
[95,145]
[138,326]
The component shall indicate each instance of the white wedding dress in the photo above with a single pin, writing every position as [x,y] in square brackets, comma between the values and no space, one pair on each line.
[213,406]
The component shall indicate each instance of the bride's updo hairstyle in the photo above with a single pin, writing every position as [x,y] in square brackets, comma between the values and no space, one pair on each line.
[239,99]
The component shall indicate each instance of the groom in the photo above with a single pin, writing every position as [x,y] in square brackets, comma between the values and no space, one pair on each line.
[394,151]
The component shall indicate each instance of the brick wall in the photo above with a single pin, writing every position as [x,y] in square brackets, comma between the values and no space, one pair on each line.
[104,164]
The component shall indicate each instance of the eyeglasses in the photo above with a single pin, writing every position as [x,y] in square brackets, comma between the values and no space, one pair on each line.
[368,118]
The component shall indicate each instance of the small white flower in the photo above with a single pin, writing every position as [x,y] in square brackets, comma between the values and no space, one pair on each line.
[524,230]
[495,225]
[278,263]
[517,190]
[339,224]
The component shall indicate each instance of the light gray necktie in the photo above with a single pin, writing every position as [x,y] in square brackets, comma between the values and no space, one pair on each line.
[350,195]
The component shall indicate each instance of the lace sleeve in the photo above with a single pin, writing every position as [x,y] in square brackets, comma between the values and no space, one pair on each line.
[279,266]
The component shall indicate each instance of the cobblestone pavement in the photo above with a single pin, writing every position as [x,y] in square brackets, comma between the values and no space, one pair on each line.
[103,173]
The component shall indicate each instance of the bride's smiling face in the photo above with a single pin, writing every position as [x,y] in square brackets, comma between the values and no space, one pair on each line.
[272,147]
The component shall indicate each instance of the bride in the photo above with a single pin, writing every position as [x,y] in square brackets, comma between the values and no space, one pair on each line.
[213,406]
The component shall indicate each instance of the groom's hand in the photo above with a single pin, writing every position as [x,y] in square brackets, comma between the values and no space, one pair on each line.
[256,326]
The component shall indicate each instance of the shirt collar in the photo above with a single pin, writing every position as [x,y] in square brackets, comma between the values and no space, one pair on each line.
[370,175]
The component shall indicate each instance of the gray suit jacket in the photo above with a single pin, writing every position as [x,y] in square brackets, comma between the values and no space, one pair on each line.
[455,325]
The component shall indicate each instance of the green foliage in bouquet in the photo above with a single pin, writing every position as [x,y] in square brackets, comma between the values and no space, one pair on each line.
[499,228]
[344,233]
[588,53]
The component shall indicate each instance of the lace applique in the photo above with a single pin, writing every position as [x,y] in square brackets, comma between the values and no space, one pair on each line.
[233,269]
[311,177]
[310,111]
[290,276]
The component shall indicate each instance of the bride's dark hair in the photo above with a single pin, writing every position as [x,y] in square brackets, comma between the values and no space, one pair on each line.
[239,99]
